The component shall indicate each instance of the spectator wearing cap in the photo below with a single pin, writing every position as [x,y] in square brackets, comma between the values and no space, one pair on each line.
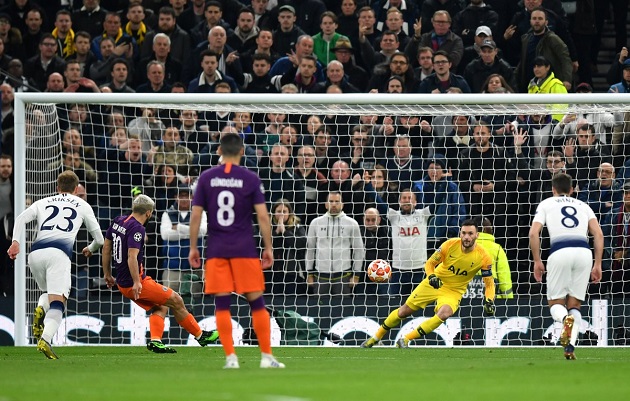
[11,37]
[473,52]
[285,38]
[624,85]
[544,81]
[444,199]
[175,232]
[615,71]
[488,63]
[466,22]
[344,53]
[439,38]
[541,41]
[616,228]
[325,41]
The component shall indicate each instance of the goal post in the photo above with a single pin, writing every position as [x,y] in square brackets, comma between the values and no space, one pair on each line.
[526,319]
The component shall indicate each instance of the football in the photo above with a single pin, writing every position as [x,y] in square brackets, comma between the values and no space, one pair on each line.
[379,271]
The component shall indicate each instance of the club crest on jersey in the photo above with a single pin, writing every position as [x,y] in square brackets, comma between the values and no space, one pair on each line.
[164,288]
[457,272]
[137,237]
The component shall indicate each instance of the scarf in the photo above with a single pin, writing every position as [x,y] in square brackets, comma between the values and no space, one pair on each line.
[437,41]
[119,35]
[139,36]
[68,48]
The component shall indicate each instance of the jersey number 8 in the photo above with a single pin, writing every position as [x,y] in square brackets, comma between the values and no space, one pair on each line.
[225,214]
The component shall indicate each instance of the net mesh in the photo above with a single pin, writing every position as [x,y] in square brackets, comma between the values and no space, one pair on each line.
[368,152]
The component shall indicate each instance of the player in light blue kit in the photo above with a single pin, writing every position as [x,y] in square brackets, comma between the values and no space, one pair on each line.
[59,218]
[570,261]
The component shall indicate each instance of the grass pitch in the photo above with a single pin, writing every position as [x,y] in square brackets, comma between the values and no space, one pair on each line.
[133,373]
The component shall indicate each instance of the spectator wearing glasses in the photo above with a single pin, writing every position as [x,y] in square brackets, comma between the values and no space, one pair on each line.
[45,63]
[439,38]
[442,79]
[398,65]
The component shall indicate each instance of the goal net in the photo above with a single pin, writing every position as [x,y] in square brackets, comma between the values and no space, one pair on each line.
[408,170]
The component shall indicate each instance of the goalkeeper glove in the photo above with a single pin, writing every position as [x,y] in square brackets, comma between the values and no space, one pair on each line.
[435,282]
[489,307]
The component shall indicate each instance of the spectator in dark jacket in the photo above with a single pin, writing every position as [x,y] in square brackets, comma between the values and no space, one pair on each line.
[487,64]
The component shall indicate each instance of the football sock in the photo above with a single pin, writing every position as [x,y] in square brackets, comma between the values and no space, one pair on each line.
[577,315]
[391,321]
[558,312]
[43,302]
[190,325]
[52,320]
[224,325]
[156,326]
[425,328]
[223,317]
[262,327]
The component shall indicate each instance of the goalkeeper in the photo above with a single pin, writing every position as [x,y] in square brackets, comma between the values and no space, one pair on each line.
[449,270]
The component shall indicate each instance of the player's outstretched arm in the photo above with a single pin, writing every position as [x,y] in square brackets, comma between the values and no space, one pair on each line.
[195,221]
[107,263]
[534,245]
[264,225]
[598,245]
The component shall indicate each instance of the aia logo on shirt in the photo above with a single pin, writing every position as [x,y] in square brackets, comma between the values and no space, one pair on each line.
[408,231]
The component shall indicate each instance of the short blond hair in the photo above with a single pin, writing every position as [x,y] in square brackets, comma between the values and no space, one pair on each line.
[142,204]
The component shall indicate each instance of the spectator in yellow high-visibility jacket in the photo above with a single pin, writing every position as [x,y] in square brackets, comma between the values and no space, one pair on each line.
[500,264]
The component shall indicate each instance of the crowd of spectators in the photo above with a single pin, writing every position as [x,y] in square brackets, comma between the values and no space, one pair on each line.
[393,176]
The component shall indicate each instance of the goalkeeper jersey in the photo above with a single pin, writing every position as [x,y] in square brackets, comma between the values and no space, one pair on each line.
[455,268]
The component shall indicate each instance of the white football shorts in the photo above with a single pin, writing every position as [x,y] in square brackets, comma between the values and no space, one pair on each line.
[51,269]
[568,273]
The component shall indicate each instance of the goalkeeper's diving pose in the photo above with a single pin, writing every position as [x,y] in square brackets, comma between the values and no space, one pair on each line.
[448,270]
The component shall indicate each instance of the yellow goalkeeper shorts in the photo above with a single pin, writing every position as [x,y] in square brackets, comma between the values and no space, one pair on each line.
[424,295]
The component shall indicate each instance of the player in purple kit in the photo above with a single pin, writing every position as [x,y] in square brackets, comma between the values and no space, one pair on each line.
[230,193]
[124,244]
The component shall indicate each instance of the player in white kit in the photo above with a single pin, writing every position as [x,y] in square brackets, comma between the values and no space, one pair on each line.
[570,262]
[59,218]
